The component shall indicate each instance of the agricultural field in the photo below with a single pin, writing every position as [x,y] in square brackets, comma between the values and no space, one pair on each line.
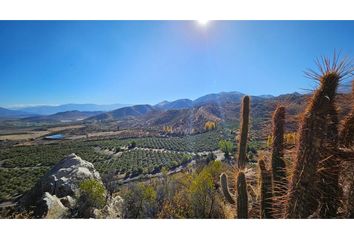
[16,181]
[22,166]
[136,162]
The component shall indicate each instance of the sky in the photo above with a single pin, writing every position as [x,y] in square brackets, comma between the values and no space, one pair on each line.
[136,62]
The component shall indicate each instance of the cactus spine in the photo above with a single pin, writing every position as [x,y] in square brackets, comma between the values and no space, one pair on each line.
[265,182]
[278,163]
[347,134]
[279,183]
[315,143]
[329,168]
[241,193]
[350,202]
[242,148]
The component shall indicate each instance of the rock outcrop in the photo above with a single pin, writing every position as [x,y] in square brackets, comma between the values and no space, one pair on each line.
[52,206]
[111,210]
[57,194]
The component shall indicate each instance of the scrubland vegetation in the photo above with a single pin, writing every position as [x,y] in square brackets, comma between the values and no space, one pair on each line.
[184,195]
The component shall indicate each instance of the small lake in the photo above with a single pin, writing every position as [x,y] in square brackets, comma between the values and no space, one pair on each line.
[55,137]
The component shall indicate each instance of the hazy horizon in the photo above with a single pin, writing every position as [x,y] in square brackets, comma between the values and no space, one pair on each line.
[146,62]
[20,106]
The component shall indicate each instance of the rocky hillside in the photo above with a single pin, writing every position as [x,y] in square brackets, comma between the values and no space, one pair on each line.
[220,108]
[122,113]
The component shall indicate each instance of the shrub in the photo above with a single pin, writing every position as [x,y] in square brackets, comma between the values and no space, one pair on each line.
[140,201]
[93,193]
[226,147]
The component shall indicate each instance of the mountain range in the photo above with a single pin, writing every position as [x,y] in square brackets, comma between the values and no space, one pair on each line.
[68,116]
[48,110]
[153,114]
[168,107]
[188,116]
[116,110]
[217,98]
[8,113]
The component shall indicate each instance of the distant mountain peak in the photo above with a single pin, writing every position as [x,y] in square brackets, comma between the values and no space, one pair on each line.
[162,103]
[177,104]
[50,109]
[8,113]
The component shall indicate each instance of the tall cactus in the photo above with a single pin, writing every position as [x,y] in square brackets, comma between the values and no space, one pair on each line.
[329,168]
[241,193]
[225,189]
[242,148]
[265,182]
[242,197]
[347,134]
[314,147]
[278,163]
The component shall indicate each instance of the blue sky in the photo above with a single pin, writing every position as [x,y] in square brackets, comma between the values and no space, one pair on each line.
[58,62]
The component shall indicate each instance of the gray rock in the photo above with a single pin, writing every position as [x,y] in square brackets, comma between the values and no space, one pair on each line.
[65,177]
[51,207]
[68,201]
[113,209]
[59,190]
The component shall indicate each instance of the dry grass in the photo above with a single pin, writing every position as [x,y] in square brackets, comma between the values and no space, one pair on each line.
[36,134]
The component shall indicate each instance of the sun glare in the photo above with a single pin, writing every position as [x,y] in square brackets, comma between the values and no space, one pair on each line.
[203,22]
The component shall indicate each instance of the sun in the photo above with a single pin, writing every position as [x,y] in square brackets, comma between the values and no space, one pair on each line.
[203,22]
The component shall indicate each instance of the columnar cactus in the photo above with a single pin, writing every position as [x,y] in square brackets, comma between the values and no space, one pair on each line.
[241,193]
[265,182]
[278,163]
[314,160]
[242,198]
[242,147]
[328,168]
[225,189]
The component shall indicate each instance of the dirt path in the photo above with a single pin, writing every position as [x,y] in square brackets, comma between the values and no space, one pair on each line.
[34,167]
[219,154]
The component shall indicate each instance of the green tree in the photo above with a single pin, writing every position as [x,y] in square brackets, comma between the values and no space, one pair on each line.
[93,193]
[226,147]
[205,202]
[132,145]
[140,201]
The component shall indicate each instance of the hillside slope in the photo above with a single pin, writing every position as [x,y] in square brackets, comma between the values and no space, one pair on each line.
[64,116]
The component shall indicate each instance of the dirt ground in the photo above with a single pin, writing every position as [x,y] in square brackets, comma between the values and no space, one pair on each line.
[36,134]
